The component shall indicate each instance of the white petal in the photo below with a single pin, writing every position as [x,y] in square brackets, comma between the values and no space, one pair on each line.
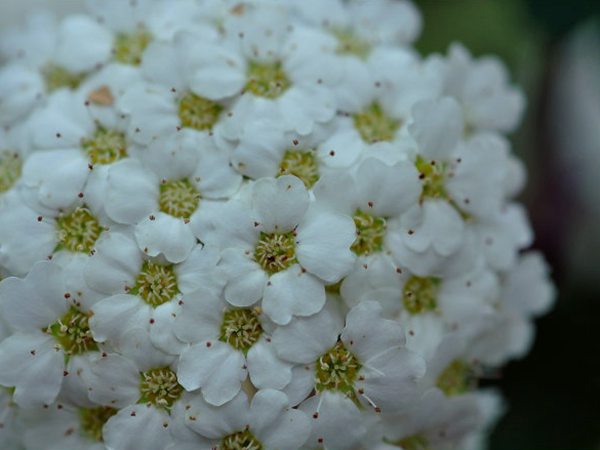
[138,426]
[266,369]
[218,421]
[200,270]
[280,203]
[245,278]
[292,292]
[31,363]
[114,265]
[132,192]
[166,235]
[200,317]
[215,367]
[114,315]
[305,339]
[162,329]
[37,301]
[323,245]
[113,381]
[438,125]
[387,190]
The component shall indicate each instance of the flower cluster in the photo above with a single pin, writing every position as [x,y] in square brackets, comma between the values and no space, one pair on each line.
[263,226]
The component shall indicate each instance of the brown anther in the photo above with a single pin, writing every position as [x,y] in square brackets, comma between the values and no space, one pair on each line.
[39,218]
[316,415]
[80,195]
[151,321]
[152,217]
[370,204]
[101,96]
[331,153]
[67,295]
[209,344]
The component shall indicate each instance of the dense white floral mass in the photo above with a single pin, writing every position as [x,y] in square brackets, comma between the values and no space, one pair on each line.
[269,225]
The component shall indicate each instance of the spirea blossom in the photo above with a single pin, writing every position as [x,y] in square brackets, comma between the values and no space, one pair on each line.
[262,225]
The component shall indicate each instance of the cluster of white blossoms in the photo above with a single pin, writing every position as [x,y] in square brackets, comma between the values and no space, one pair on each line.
[269,225]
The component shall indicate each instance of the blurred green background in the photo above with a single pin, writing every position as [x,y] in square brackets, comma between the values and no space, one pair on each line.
[553,395]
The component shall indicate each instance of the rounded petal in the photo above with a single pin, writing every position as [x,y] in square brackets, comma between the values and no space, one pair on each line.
[138,426]
[166,235]
[266,369]
[279,202]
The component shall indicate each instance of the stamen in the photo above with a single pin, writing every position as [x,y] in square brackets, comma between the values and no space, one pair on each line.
[78,231]
[374,125]
[10,169]
[107,146]
[179,198]
[432,176]
[337,369]
[129,48]
[72,332]
[420,294]
[456,379]
[241,328]
[302,164]
[159,387]
[370,233]
[156,284]
[198,112]
[276,251]
[57,77]
[267,80]
[351,44]
[242,440]
[92,421]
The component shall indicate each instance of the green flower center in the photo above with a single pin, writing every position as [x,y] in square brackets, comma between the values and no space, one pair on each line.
[156,284]
[92,421]
[267,79]
[242,440]
[374,125]
[160,388]
[337,369]
[276,251]
[57,77]
[415,442]
[78,231]
[420,294]
[370,233]
[241,328]
[10,169]
[432,177]
[198,112]
[129,48]
[302,164]
[72,332]
[107,146]
[456,379]
[178,198]
[350,44]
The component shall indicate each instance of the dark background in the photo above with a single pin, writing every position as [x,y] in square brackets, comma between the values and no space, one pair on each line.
[553,395]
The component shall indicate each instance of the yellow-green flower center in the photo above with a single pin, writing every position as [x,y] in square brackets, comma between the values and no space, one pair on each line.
[337,369]
[242,440]
[198,112]
[107,146]
[10,169]
[267,79]
[241,328]
[420,294]
[374,125]
[370,233]
[78,231]
[432,177]
[302,164]
[129,48]
[156,284]
[92,421]
[351,44]
[57,77]
[160,388]
[414,442]
[275,251]
[178,198]
[72,332]
[456,378]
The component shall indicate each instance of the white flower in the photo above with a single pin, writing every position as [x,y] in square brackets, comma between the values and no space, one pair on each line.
[228,345]
[285,252]
[51,337]
[365,360]
[267,422]
[489,102]
[143,293]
